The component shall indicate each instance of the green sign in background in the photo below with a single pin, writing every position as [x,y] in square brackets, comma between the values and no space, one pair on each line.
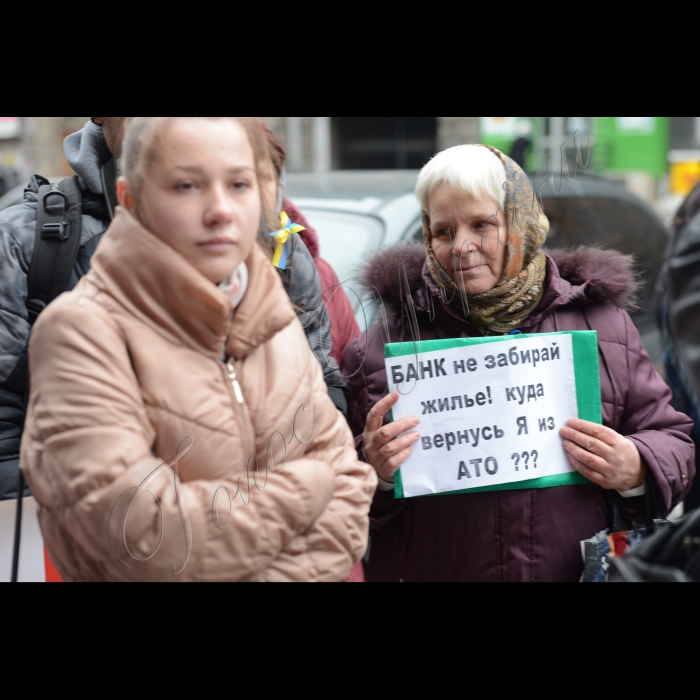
[587,372]
[616,149]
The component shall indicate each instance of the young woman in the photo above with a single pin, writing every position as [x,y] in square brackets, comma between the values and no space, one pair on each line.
[179,429]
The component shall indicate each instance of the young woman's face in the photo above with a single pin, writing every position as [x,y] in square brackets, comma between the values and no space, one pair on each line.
[469,237]
[201,196]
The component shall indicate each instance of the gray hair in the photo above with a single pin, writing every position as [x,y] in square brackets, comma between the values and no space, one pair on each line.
[472,170]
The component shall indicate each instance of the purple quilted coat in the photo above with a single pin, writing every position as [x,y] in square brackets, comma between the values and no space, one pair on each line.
[533,535]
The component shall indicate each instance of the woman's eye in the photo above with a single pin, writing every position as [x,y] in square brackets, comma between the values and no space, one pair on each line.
[241,185]
[185,186]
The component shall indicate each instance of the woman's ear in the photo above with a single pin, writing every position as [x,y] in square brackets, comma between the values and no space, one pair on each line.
[124,194]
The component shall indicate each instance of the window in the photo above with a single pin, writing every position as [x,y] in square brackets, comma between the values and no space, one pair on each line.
[384,143]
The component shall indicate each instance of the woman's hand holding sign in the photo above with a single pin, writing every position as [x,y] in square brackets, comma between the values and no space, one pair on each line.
[603,456]
[385,450]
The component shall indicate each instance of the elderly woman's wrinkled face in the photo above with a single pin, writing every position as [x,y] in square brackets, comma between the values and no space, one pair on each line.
[469,238]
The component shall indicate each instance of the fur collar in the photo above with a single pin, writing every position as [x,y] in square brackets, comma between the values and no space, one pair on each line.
[593,274]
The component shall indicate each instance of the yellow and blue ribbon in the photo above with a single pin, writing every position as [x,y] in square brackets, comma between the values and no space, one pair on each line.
[282,237]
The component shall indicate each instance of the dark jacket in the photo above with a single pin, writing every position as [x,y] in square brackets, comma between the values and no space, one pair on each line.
[86,152]
[684,300]
[344,328]
[532,535]
[302,283]
[682,328]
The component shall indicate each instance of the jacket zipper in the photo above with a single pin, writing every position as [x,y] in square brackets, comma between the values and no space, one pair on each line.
[234,380]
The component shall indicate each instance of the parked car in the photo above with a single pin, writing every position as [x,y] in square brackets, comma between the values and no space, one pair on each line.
[356,212]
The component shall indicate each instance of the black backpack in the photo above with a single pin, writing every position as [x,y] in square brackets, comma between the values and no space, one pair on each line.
[59,228]
[58,232]
[59,220]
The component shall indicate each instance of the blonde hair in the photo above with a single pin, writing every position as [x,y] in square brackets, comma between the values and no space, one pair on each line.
[472,170]
[142,143]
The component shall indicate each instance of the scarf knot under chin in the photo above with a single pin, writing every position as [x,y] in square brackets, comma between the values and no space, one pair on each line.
[513,300]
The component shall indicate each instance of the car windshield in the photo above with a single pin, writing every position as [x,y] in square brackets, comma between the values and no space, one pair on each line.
[345,238]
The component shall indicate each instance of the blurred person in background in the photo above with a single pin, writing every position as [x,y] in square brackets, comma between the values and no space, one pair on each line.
[343,324]
[92,153]
[303,286]
[182,334]
[680,287]
[485,240]
[522,146]
[299,274]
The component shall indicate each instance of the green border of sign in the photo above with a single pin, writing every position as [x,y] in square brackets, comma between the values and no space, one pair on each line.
[590,407]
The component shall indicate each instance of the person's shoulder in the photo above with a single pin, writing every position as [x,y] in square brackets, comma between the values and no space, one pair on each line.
[19,224]
[304,283]
[612,323]
[365,354]
[75,317]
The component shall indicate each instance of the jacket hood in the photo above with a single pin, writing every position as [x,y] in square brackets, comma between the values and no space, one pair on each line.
[310,237]
[86,152]
[579,276]
[156,284]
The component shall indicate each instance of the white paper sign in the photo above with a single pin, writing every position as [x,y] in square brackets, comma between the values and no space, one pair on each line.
[490,414]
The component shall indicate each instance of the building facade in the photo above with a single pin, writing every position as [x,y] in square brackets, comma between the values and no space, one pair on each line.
[351,143]
[313,143]
[649,151]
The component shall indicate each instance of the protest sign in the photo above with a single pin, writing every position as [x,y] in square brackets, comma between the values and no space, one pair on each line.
[491,410]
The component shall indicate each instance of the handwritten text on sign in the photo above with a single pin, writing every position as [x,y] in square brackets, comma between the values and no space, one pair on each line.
[490,414]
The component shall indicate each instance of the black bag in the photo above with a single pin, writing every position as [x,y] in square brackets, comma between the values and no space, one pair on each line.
[58,233]
[624,532]
[59,225]
[670,556]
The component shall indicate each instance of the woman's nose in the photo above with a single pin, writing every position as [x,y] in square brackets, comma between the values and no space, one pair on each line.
[463,245]
[219,209]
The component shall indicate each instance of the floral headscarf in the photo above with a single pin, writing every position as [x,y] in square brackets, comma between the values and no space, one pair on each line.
[520,290]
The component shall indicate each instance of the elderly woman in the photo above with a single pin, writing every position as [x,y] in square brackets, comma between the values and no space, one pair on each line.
[483,273]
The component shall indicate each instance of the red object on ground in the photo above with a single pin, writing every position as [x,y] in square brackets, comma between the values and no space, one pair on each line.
[52,576]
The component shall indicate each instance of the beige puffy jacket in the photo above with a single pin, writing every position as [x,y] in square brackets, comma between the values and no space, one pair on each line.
[127,374]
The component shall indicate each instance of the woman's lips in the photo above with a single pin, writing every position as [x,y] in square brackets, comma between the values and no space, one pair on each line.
[465,270]
[217,245]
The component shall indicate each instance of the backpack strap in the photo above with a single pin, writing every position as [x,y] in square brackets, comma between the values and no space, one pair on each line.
[58,233]
[109,176]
